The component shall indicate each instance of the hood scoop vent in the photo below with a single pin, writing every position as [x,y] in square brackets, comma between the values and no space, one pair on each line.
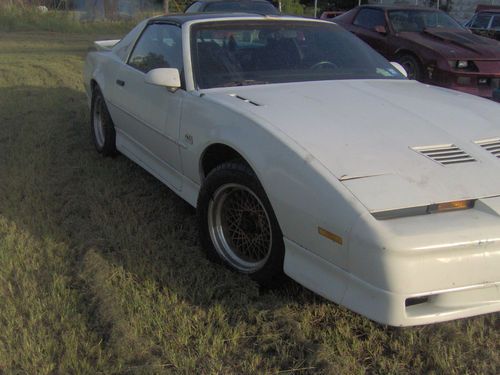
[245,100]
[490,145]
[445,154]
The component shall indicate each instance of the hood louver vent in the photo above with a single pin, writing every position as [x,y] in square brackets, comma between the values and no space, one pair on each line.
[445,154]
[245,100]
[491,145]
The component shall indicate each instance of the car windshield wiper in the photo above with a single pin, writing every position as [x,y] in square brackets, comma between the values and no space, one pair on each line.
[243,82]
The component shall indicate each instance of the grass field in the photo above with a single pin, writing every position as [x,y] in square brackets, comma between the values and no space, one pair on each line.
[101,271]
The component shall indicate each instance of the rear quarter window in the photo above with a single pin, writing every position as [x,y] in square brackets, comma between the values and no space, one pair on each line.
[124,46]
[369,18]
[194,8]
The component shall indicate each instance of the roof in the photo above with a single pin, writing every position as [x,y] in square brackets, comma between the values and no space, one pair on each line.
[487,8]
[182,18]
[488,11]
[399,7]
[230,1]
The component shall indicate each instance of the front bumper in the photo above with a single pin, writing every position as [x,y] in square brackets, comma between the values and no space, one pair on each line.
[475,83]
[480,86]
[414,270]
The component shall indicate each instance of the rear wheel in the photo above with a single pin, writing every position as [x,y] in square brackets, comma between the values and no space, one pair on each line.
[238,226]
[412,66]
[101,125]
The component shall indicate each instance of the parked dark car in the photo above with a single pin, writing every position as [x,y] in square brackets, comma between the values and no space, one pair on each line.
[329,14]
[245,6]
[431,46]
[486,22]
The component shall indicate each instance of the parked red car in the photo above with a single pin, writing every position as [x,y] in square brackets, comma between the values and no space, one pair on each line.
[329,14]
[431,46]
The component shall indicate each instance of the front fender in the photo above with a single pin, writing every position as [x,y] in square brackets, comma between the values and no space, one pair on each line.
[303,194]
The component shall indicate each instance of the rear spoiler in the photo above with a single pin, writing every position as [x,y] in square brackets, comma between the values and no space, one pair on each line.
[105,45]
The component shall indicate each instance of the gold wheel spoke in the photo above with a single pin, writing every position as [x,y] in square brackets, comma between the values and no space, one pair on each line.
[246,230]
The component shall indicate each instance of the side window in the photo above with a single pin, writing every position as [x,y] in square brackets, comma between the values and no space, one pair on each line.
[369,18]
[194,8]
[481,21]
[159,46]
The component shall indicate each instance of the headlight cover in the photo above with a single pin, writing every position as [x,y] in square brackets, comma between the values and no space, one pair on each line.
[464,65]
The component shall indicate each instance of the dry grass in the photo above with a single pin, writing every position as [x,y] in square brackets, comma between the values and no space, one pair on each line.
[27,18]
[100,268]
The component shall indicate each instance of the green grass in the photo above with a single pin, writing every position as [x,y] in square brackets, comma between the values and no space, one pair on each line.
[101,271]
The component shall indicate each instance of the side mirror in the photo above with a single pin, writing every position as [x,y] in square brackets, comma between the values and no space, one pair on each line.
[400,68]
[380,29]
[167,77]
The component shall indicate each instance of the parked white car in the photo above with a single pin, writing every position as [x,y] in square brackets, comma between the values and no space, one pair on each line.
[305,151]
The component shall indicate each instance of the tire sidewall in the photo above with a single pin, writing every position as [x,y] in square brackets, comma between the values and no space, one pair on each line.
[409,59]
[109,146]
[238,173]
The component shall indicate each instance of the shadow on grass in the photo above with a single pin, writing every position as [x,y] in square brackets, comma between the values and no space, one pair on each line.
[57,185]
[30,52]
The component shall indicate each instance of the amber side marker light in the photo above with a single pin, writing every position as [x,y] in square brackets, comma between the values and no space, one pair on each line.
[423,210]
[450,206]
[330,235]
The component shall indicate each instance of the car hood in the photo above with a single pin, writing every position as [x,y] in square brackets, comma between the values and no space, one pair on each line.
[454,43]
[367,134]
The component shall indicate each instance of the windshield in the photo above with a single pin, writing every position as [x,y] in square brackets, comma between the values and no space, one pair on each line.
[259,52]
[418,20]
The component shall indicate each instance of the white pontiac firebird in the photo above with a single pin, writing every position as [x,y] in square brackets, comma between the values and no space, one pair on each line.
[306,152]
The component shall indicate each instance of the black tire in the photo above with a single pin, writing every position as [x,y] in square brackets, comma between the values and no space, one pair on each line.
[412,66]
[101,125]
[237,186]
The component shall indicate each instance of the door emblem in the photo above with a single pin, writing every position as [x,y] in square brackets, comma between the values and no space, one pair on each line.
[188,138]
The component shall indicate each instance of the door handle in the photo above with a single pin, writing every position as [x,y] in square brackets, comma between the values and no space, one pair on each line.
[119,82]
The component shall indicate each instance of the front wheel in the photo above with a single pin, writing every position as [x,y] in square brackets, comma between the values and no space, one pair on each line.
[238,226]
[412,66]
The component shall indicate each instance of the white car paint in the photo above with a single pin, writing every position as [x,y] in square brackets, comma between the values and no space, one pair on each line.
[333,154]
[377,142]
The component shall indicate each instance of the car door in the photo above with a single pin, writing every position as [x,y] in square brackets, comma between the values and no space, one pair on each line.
[148,128]
[364,25]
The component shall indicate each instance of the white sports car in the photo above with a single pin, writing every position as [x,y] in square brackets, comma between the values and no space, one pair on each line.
[306,152]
